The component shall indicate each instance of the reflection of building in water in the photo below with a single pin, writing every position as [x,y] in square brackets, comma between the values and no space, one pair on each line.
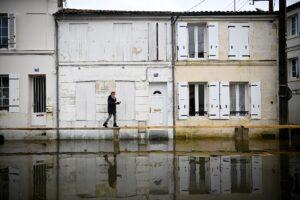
[220,174]
[25,177]
[9,183]
[39,181]
[92,176]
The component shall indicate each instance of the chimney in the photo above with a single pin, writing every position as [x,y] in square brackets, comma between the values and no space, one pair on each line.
[60,4]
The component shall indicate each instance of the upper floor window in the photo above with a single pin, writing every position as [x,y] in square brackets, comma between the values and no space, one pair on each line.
[7,31]
[238,41]
[3,31]
[196,34]
[293,24]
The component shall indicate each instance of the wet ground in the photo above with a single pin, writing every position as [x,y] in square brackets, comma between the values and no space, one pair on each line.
[201,169]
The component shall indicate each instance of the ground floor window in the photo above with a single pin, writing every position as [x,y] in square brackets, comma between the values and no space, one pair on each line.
[4,92]
[197,99]
[239,99]
[294,67]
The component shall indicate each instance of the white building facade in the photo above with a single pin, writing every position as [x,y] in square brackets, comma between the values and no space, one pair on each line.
[27,65]
[104,51]
[293,56]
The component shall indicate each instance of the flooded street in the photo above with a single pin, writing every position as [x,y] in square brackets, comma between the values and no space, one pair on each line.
[199,169]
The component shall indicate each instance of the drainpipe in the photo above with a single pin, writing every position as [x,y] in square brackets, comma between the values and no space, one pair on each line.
[57,81]
[173,38]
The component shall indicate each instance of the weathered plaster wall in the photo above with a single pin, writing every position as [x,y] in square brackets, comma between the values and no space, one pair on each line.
[261,66]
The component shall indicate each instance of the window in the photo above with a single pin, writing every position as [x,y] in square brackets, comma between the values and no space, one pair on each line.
[238,99]
[196,34]
[4,92]
[293,24]
[3,31]
[197,99]
[39,94]
[294,67]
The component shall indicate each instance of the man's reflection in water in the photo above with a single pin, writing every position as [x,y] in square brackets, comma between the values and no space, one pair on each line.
[112,172]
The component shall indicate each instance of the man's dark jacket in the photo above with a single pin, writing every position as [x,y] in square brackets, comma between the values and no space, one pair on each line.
[111,105]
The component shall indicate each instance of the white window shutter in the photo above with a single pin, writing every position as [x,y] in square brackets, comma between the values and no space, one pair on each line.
[255,100]
[213,40]
[244,43]
[14,93]
[225,169]
[224,100]
[80,101]
[256,174]
[214,100]
[233,45]
[182,40]
[183,100]
[12,31]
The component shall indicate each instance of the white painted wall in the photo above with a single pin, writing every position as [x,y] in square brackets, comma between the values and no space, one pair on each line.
[109,52]
[35,49]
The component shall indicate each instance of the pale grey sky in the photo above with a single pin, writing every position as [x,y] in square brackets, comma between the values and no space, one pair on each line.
[169,5]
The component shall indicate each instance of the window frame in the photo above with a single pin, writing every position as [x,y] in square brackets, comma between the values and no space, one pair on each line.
[4,15]
[291,68]
[4,107]
[196,99]
[196,39]
[290,24]
[237,112]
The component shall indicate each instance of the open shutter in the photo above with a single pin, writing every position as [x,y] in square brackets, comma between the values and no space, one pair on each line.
[183,100]
[233,45]
[14,92]
[255,100]
[182,39]
[11,31]
[256,174]
[214,101]
[213,40]
[224,100]
[244,43]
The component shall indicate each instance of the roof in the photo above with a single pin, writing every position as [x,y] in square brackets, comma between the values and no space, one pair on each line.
[293,6]
[83,12]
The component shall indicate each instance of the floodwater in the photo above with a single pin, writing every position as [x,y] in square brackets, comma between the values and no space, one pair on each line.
[200,169]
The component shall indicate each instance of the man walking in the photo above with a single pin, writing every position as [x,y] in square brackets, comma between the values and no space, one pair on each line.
[111,108]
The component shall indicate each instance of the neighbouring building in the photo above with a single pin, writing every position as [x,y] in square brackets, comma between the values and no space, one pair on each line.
[227,70]
[27,65]
[124,51]
[293,56]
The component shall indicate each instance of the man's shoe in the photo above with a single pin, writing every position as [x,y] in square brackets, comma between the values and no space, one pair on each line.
[105,125]
[115,125]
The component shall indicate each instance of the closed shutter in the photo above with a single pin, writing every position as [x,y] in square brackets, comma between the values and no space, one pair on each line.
[244,43]
[12,31]
[182,39]
[85,101]
[213,40]
[224,100]
[214,100]
[256,174]
[233,45]
[90,101]
[255,100]
[183,100]
[14,92]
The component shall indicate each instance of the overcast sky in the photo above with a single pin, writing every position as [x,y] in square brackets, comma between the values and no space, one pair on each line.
[170,5]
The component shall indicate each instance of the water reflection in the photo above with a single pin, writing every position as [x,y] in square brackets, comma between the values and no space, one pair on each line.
[150,171]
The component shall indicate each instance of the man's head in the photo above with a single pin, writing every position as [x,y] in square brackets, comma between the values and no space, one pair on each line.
[113,94]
